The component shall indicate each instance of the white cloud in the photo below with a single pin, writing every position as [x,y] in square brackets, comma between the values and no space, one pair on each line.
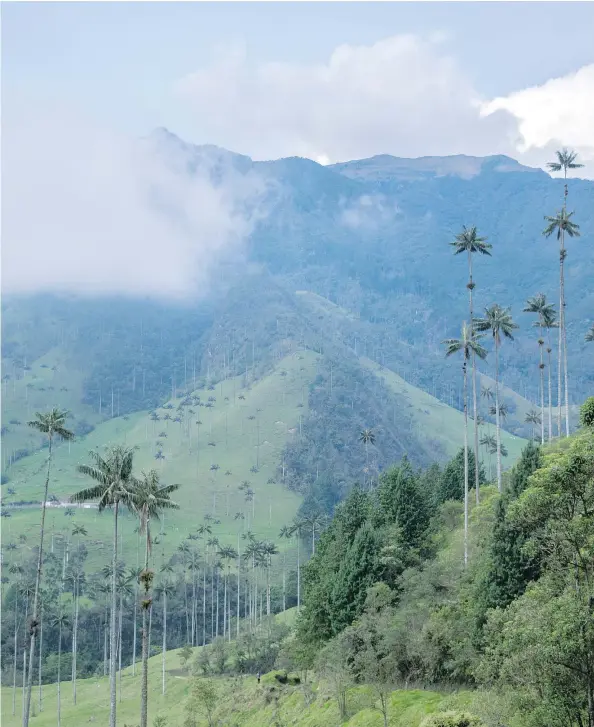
[368,212]
[88,211]
[559,112]
[403,95]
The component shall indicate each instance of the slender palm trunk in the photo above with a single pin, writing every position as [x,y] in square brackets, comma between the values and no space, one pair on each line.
[14,662]
[550,389]
[146,607]
[75,638]
[35,615]
[59,677]
[497,422]
[224,604]
[120,646]
[541,370]
[238,583]
[135,626]
[40,656]
[284,579]
[465,374]
[113,623]
[565,374]
[298,572]
[474,401]
[164,635]
[204,601]
[560,342]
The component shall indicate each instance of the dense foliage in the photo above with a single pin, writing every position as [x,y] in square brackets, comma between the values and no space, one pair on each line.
[387,590]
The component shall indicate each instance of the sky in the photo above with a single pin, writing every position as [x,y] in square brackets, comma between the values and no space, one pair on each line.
[82,82]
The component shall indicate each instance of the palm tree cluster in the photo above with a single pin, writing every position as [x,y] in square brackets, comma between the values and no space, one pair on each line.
[497,321]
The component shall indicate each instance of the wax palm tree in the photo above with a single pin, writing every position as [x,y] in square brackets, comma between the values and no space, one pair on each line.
[490,443]
[498,321]
[315,521]
[562,224]
[151,499]
[164,590]
[268,549]
[52,424]
[367,437]
[297,529]
[115,487]
[590,335]
[227,554]
[468,344]
[469,242]
[285,534]
[60,621]
[203,531]
[533,417]
[538,304]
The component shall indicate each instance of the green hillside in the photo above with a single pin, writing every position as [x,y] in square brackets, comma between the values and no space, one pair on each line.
[437,423]
[210,451]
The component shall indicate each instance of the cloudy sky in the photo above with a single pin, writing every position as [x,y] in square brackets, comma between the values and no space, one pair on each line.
[329,81]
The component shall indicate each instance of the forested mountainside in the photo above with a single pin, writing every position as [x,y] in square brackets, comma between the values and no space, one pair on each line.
[351,261]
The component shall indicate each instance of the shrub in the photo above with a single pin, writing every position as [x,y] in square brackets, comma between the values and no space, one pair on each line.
[452,719]
[587,413]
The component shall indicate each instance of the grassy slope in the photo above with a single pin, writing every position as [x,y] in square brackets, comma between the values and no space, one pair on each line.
[245,704]
[50,381]
[435,420]
[242,702]
[274,401]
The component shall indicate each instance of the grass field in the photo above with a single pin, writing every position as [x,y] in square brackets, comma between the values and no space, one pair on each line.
[242,702]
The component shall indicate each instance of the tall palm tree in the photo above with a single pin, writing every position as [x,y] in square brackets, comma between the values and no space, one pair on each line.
[164,590]
[52,424]
[468,344]
[469,242]
[490,443]
[76,575]
[313,522]
[562,224]
[151,499]
[60,621]
[115,487]
[227,554]
[285,534]
[533,417]
[268,550]
[538,304]
[367,437]
[550,321]
[297,529]
[203,530]
[498,321]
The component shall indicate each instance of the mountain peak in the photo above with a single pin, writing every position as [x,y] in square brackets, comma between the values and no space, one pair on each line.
[385,167]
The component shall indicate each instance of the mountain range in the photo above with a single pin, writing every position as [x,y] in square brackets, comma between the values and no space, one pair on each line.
[343,292]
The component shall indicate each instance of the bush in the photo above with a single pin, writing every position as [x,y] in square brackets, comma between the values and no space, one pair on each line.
[452,719]
[587,413]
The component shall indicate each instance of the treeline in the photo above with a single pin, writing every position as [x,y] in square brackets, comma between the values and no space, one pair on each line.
[388,593]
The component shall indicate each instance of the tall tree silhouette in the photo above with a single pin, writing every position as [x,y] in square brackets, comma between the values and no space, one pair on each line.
[115,488]
[566,160]
[498,321]
[468,344]
[538,304]
[150,501]
[52,424]
[469,242]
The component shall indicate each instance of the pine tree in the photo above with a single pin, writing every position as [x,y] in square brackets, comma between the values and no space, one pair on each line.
[451,483]
[402,503]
